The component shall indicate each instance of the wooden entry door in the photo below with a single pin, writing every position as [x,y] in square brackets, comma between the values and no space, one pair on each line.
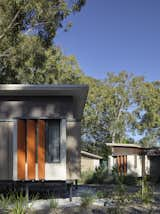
[122,164]
[31,149]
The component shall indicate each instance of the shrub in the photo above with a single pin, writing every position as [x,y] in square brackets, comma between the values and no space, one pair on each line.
[146,192]
[86,177]
[129,180]
[100,194]
[99,176]
[87,199]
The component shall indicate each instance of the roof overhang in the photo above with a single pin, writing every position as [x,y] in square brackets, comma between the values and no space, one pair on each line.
[78,92]
[91,155]
[152,152]
[129,145]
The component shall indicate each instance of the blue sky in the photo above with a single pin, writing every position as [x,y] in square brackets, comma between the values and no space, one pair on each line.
[115,35]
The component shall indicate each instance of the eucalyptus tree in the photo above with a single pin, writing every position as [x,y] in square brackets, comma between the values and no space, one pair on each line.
[107,116]
[118,110]
[27,32]
[147,98]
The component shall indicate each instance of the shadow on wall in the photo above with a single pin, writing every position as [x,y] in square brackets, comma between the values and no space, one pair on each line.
[36,107]
[154,168]
[73,150]
[6,148]
[40,107]
[131,170]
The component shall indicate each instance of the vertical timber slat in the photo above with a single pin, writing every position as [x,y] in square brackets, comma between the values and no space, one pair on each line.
[21,149]
[31,148]
[41,149]
[118,164]
[125,164]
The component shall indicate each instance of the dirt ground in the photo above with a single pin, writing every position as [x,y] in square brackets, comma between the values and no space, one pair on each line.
[100,205]
[129,209]
[135,207]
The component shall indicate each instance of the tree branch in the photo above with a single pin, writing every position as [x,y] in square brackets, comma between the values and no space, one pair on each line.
[10,25]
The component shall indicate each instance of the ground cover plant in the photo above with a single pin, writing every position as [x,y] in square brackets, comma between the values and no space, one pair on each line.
[116,198]
[16,203]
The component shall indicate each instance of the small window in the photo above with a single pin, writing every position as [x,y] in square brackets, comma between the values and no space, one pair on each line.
[53,141]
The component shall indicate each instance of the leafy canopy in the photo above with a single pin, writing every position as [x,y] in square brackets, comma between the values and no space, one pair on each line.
[27,31]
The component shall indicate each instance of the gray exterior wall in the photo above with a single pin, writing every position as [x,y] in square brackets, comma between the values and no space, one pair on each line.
[73,150]
[39,107]
[154,167]
[6,148]
[36,107]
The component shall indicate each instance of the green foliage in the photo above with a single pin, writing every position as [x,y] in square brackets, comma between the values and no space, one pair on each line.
[32,63]
[108,116]
[53,204]
[129,180]
[102,194]
[87,199]
[121,104]
[86,177]
[27,30]
[14,203]
[145,194]
[4,201]
[147,99]
[123,179]
[42,17]
[99,176]
[115,210]
[97,148]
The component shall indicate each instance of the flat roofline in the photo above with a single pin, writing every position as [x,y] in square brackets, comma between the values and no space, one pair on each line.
[40,85]
[45,87]
[91,155]
[124,145]
[78,92]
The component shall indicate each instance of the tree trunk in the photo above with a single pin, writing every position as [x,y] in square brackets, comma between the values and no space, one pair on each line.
[113,137]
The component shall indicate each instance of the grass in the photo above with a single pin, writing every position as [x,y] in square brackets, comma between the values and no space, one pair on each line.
[53,203]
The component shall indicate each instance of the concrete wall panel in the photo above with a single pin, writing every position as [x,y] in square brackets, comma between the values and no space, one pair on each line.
[6,150]
[36,107]
[73,150]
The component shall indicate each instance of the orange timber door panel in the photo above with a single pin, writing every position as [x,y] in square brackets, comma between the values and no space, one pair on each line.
[31,144]
[122,164]
[21,144]
[31,148]
[41,149]
[125,164]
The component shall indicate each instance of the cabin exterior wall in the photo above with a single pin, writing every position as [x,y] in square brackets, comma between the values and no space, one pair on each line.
[14,108]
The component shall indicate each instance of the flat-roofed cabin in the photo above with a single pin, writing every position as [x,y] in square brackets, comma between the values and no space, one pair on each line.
[40,131]
[128,158]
